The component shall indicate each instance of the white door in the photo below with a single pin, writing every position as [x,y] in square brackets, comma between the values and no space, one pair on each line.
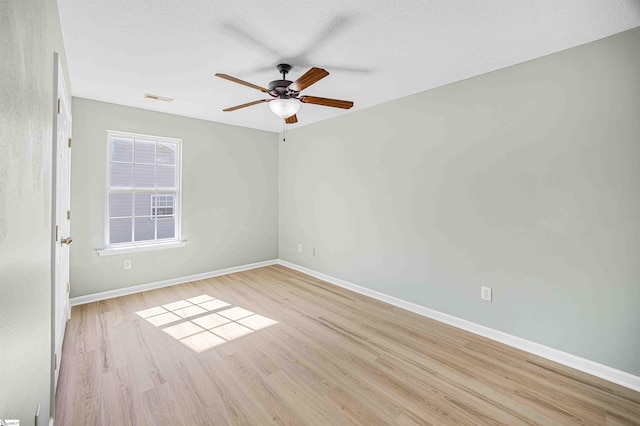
[61,217]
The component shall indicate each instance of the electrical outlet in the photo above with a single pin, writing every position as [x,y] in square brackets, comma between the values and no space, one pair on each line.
[485,293]
[300,248]
[127,264]
[313,251]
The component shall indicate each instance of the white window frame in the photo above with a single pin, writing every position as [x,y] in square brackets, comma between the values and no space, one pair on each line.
[156,244]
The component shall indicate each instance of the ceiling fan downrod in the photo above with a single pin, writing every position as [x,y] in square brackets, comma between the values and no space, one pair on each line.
[284,70]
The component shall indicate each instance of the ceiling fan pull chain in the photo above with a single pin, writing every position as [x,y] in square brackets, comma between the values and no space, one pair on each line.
[284,131]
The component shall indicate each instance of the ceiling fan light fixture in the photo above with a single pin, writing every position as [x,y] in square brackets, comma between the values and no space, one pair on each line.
[284,108]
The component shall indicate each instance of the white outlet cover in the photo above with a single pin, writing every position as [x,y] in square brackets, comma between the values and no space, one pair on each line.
[300,248]
[485,293]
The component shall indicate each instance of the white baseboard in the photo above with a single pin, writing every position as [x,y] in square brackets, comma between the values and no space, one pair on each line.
[81,300]
[591,367]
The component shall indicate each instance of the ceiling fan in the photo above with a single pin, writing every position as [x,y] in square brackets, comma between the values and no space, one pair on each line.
[285,95]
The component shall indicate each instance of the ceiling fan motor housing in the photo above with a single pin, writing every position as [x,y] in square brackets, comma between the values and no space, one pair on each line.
[279,85]
[280,89]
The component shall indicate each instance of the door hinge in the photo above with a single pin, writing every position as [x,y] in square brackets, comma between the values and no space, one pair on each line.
[56,232]
[68,214]
[68,287]
[55,360]
[69,144]
[58,105]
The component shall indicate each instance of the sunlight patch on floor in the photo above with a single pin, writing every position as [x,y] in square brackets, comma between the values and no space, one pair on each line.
[203,322]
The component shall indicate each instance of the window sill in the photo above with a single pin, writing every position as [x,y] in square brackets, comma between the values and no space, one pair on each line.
[112,251]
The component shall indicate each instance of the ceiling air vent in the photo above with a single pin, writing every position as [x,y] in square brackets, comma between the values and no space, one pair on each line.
[158,98]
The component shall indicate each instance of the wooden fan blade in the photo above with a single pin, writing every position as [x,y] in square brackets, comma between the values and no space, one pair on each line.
[308,78]
[244,83]
[291,120]
[335,103]
[246,105]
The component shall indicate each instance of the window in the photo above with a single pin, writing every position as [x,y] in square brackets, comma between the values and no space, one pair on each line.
[143,191]
[162,205]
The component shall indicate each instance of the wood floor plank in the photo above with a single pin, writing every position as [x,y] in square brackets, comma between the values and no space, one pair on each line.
[274,346]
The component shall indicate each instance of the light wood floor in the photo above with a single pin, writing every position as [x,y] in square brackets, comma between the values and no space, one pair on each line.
[290,349]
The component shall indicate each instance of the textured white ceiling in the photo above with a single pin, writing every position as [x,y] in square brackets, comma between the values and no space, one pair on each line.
[375,50]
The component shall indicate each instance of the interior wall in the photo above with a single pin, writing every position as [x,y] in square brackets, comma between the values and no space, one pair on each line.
[229,198]
[29,35]
[524,180]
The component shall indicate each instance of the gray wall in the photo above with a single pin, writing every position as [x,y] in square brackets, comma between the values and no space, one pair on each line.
[229,201]
[525,180]
[29,35]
